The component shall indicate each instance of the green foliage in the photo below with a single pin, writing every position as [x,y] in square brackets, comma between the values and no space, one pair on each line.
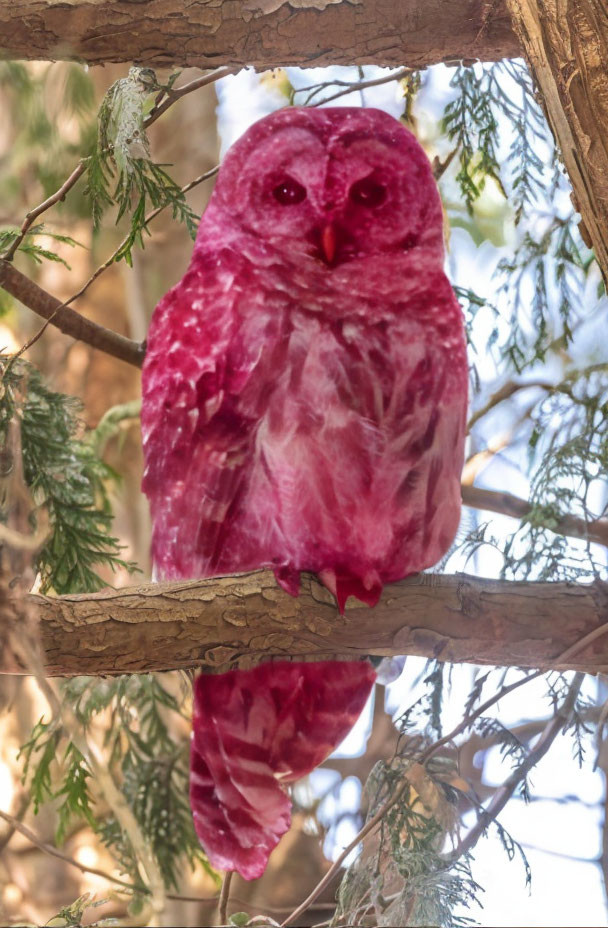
[144,757]
[120,171]
[64,476]
[39,753]
[405,879]
[74,793]
[470,122]
[31,248]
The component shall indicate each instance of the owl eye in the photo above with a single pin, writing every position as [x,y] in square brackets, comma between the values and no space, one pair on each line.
[289,192]
[368,192]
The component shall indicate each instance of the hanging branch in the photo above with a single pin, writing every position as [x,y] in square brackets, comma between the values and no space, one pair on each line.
[547,737]
[564,44]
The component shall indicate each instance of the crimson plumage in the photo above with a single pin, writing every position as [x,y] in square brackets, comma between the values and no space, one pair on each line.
[305,383]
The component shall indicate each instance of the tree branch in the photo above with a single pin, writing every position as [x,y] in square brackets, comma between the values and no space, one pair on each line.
[508,505]
[263,33]
[218,621]
[68,320]
[504,793]
[17,825]
[33,214]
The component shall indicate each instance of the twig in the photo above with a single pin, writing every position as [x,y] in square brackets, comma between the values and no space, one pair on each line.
[151,215]
[481,710]
[504,793]
[16,825]
[224,898]
[352,88]
[427,754]
[171,96]
[18,818]
[507,390]
[33,214]
[511,387]
[31,543]
[109,423]
[68,320]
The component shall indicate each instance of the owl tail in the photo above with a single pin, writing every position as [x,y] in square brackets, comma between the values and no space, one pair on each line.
[255,730]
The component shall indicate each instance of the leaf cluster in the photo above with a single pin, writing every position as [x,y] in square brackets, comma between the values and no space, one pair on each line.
[33,249]
[402,878]
[66,477]
[119,169]
[138,715]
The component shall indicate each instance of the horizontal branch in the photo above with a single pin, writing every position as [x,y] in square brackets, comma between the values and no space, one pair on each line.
[517,508]
[68,320]
[212,622]
[263,33]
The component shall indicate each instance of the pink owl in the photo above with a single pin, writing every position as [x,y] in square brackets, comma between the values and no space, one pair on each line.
[304,407]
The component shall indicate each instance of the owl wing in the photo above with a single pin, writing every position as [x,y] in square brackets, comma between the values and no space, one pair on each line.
[202,384]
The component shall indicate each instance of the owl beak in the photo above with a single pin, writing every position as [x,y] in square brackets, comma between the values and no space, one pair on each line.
[329,242]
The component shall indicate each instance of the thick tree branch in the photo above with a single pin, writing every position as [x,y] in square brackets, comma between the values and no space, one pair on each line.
[212,622]
[263,33]
[68,320]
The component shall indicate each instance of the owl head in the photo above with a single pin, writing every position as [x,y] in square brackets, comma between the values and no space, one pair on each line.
[332,185]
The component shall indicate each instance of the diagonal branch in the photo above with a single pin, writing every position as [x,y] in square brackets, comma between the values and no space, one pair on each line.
[504,793]
[68,320]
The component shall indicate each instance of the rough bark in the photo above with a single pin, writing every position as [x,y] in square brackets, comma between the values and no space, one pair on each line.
[213,622]
[566,44]
[263,33]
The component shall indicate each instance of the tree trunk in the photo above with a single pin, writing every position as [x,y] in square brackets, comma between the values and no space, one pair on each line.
[566,44]
[263,33]
[213,622]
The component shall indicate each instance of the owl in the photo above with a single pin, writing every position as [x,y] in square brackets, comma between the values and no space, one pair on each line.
[304,408]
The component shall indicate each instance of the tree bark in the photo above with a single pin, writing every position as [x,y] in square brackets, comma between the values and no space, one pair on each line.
[219,621]
[566,44]
[68,320]
[263,33]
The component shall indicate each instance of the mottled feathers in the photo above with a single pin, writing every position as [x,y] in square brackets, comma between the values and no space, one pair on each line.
[305,387]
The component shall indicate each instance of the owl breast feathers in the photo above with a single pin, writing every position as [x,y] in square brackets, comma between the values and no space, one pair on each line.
[305,383]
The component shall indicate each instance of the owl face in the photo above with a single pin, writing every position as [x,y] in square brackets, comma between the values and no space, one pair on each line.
[332,186]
